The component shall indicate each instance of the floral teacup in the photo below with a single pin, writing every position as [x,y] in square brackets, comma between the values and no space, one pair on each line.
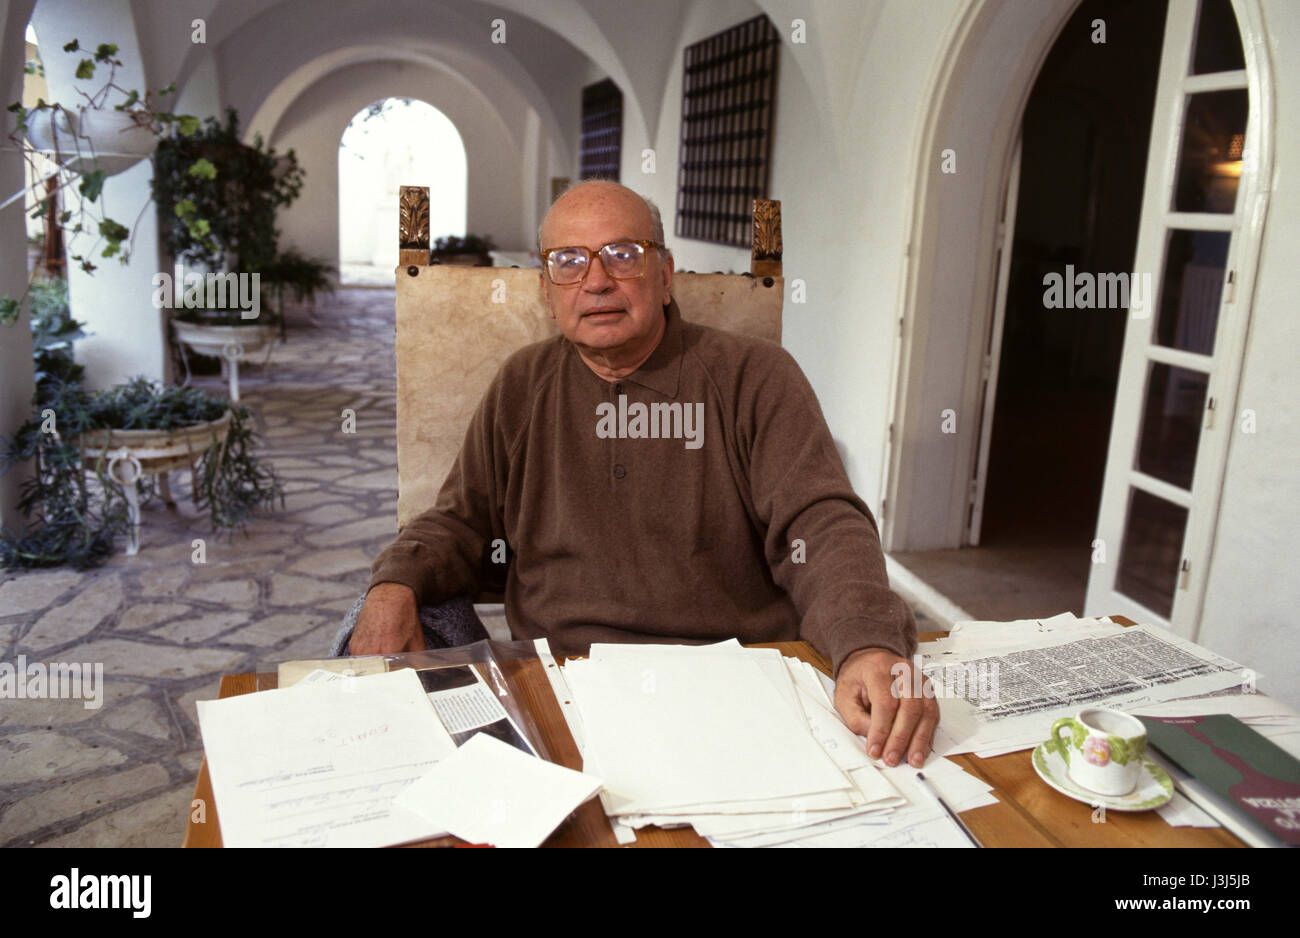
[1102,750]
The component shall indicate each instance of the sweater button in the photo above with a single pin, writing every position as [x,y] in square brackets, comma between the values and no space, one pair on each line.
[618,389]
[619,472]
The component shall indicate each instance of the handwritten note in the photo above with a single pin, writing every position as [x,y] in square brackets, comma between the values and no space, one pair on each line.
[319,764]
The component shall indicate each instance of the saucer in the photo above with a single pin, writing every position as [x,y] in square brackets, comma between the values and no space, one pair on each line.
[1154,786]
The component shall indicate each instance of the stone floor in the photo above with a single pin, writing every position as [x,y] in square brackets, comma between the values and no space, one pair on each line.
[166,628]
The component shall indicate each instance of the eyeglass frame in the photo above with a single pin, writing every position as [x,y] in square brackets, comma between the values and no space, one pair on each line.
[645,246]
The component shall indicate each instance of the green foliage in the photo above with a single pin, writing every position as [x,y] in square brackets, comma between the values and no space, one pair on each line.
[53,333]
[113,234]
[217,197]
[142,405]
[301,275]
[470,244]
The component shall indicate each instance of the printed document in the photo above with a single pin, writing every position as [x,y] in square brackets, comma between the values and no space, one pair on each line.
[319,764]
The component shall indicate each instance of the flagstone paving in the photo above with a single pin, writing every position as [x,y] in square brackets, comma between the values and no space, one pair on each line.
[167,623]
[165,627]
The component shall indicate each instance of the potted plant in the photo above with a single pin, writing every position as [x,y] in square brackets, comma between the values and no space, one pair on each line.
[299,275]
[224,222]
[96,455]
[469,251]
[93,460]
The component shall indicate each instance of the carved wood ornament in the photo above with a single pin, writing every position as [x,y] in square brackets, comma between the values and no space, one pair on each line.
[413,226]
[765,257]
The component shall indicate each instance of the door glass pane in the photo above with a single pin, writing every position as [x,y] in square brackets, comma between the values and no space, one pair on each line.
[1209,165]
[1148,558]
[1218,42]
[1171,424]
[1192,289]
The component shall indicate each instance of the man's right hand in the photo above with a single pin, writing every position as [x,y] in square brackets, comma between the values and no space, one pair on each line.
[389,622]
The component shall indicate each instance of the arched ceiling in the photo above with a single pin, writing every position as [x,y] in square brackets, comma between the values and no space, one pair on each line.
[266,117]
[263,49]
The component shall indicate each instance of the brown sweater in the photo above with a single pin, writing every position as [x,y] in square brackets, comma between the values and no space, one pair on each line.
[628,523]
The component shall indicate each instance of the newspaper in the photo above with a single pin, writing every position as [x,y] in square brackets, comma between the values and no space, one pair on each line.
[1010,694]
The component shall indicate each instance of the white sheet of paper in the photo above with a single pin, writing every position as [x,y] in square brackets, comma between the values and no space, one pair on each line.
[319,764]
[683,729]
[489,792]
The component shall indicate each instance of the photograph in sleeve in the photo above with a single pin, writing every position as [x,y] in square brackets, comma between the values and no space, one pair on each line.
[466,705]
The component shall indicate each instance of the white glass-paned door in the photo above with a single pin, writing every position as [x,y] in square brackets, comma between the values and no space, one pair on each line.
[1186,330]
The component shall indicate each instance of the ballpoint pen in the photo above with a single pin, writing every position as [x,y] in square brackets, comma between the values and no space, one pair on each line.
[934,793]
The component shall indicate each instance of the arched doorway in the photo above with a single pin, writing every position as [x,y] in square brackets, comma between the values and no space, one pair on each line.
[1084,141]
[961,227]
[392,143]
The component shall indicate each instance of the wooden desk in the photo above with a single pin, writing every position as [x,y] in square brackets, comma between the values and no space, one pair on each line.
[1029,813]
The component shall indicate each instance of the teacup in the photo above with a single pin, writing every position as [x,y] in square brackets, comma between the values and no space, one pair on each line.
[1103,749]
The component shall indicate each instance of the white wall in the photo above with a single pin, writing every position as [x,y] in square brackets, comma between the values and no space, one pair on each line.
[201,93]
[700,21]
[848,109]
[115,302]
[1253,591]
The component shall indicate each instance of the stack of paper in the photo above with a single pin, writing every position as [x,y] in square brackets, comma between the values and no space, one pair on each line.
[746,746]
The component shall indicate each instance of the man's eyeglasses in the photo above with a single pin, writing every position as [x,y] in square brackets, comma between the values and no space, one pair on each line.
[623,260]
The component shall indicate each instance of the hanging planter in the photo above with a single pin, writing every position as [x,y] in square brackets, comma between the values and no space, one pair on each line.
[90,139]
[116,140]
[78,147]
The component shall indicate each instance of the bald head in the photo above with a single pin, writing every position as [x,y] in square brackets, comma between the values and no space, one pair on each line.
[603,196]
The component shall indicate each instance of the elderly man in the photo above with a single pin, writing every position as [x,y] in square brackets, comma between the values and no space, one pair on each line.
[656,481]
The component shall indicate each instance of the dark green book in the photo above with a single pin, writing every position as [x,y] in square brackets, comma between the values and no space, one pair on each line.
[1234,773]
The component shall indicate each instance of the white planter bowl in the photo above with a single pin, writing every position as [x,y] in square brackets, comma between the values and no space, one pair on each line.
[213,340]
[160,450]
[91,139]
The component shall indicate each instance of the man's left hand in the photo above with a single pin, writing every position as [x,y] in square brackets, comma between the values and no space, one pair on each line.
[876,693]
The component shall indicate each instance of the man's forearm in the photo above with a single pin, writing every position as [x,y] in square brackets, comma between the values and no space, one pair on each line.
[435,556]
